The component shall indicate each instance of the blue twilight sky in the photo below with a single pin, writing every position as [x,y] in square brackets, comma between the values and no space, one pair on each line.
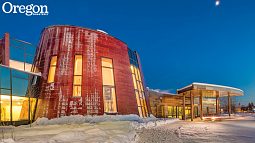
[179,41]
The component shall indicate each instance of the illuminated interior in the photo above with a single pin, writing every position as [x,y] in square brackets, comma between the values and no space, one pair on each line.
[108,76]
[20,108]
[77,79]
[20,65]
[5,108]
[139,91]
[109,94]
[52,70]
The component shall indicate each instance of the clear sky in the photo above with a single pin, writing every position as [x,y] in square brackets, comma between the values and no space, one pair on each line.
[179,41]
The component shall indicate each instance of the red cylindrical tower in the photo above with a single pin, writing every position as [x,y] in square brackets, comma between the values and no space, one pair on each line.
[62,52]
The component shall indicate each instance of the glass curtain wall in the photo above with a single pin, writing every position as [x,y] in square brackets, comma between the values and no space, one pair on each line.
[18,96]
[21,54]
[109,95]
[138,85]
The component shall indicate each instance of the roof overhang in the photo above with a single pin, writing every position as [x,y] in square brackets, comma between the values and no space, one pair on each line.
[223,90]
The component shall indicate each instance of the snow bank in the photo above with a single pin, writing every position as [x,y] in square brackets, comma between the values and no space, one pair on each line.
[136,121]
[78,119]
[78,128]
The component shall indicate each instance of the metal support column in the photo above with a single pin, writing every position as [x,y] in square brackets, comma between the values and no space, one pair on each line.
[217,104]
[201,107]
[177,116]
[229,104]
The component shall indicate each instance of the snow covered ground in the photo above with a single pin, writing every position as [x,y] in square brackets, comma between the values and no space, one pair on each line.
[130,128]
[229,130]
[77,128]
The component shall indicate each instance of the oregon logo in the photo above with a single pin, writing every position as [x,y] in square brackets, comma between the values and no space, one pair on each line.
[28,10]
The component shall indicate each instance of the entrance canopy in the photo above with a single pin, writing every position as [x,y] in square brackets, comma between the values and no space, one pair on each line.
[209,90]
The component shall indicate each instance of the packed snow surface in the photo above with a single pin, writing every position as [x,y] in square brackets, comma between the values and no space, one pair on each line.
[78,128]
[226,131]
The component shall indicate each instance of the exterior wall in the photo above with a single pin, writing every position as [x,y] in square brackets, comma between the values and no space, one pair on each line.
[155,103]
[4,49]
[165,105]
[55,99]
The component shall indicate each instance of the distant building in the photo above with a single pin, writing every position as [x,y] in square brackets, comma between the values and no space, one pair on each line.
[198,100]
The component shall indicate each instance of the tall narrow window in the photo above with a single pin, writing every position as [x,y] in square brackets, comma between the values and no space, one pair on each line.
[53,63]
[77,75]
[138,85]
[109,94]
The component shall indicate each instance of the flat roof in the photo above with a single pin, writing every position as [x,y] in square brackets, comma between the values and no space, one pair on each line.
[233,91]
[162,93]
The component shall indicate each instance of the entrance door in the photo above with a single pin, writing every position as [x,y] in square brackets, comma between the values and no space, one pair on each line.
[196,112]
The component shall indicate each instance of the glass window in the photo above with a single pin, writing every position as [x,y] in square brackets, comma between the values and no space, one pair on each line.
[77,78]
[16,64]
[141,86]
[34,80]
[78,65]
[140,112]
[19,74]
[5,78]
[136,74]
[138,86]
[107,62]
[134,81]
[137,98]
[30,49]
[76,90]
[28,67]
[144,100]
[19,108]
[132,69]
[29,59]
[5,108]
[53,61]
[109,99]
[6,92]
[16,53]
[144,113]
[19,86]
[139,74]
[108,78]
[16,43]
[109,95]
[52,69]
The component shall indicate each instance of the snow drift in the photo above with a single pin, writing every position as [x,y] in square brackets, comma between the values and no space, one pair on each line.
[78,128]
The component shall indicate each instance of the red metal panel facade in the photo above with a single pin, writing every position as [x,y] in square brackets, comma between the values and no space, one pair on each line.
[55,99]
[4,49]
